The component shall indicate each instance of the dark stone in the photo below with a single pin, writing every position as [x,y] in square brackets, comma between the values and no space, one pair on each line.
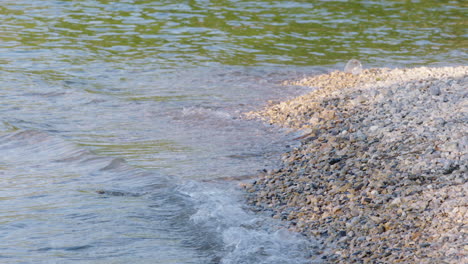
[451,169]
[359,187]
[324,233]
[334,161]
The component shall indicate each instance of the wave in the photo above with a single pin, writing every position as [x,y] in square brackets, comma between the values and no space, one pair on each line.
[89,207]
[246,237]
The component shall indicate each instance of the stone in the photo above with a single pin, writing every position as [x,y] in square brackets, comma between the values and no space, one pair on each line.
[435,90]
[383,177]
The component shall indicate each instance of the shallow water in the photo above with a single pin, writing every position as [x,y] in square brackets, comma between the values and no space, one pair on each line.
[116,119]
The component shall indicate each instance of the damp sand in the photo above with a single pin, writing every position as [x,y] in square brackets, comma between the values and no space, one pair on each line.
[381,172]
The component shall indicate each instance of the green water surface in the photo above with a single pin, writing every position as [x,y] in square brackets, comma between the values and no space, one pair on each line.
[67,35]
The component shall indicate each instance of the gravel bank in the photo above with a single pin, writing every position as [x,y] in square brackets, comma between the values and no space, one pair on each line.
[381,173]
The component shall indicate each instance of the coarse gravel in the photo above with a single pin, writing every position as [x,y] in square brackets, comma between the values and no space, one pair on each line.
[381,172]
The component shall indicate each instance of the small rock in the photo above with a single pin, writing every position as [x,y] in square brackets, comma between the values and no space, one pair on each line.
[435,90]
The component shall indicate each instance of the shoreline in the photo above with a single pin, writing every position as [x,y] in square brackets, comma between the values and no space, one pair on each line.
[380,175]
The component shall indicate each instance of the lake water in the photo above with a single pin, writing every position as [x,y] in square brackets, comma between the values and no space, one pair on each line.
[118,117]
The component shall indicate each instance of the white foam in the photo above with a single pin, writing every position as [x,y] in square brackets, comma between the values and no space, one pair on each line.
[204,113]
[247,237]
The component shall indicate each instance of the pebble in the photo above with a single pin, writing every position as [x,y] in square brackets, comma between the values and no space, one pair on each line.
[381,175]
[435,90]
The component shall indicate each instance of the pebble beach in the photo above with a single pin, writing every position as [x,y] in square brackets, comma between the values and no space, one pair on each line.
[380,175]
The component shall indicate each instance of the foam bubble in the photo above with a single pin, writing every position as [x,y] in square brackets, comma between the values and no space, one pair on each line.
[353,66]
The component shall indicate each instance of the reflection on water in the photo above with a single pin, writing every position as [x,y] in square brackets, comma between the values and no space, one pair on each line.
[191,132]
[72,36]
[115,116]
